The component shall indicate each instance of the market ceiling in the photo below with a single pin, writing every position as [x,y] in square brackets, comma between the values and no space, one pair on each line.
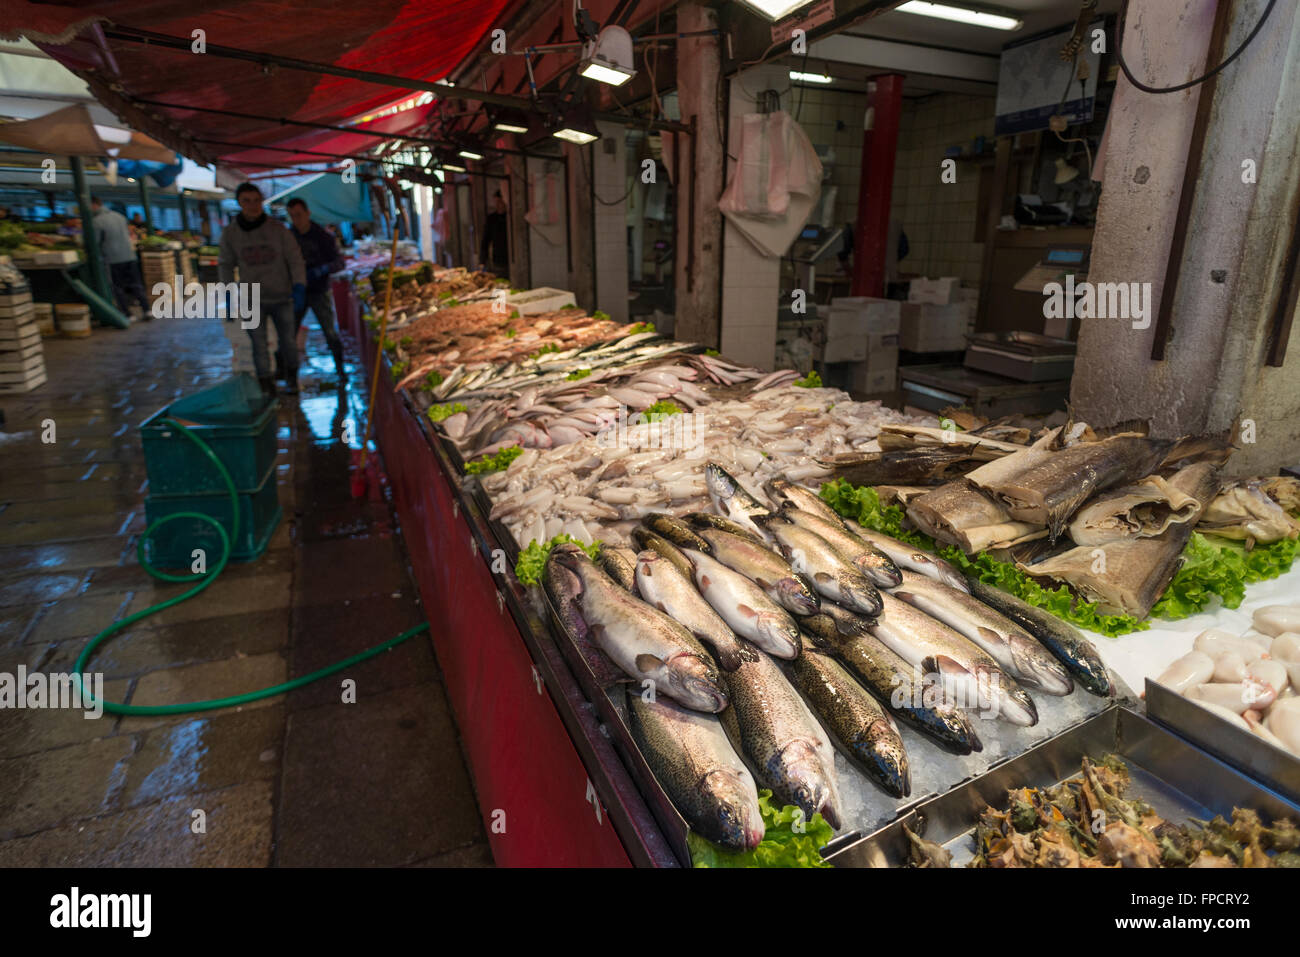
[411,38]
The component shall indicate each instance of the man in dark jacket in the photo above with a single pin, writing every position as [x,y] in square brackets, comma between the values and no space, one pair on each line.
[496,240]
[266,255]
[320,251]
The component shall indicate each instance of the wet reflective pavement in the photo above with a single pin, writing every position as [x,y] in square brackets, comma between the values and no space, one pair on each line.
[303,779]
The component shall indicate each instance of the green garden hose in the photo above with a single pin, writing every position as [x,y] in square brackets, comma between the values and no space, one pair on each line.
[204,579]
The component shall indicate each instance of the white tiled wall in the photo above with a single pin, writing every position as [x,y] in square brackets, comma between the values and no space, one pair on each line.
[939,218]
[750,280]
[609,173]
[833,119]
[548,258]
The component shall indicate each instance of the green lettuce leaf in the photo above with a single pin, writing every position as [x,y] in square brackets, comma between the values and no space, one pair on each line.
[531,561]
[782,845]
[1216,566]
[495,463]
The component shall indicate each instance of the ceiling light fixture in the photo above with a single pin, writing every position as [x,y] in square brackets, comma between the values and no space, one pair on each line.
[609,58]
[470,155]
[975,18]
[575,126]
[775,9]
[810,77]
[510,121]
[453,168]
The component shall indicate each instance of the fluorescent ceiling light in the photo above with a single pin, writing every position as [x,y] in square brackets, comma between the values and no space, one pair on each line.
[510,120]
[976,18]
[608,58]
[507,127]
[471,155]
[575,136]
[810,77]
[775,9]
[452,167]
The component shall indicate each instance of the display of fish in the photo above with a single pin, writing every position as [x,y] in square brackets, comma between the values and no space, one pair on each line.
[1061,638]
[692,758]
[1143,509]
[787,749]
[1245,511]
[912,696]
[620,565]
[644,642]
[676,531]
[1130,575]
[927,466]
[868,559]
[1021,656]
[702,520]
[968,673]
[765,568]
[646,539]
[831,572]
[958,513]
[664,586]
[782,492]
[732,500]
[744,606]
[1049,492]
[856,722]
[910,557]
[978,445]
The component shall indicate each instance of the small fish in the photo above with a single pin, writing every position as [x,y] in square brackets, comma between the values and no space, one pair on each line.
[745,606]
[644,642]
[732,500]
[856,721]
[868,559]
[646,539]
[782,490]
[767,569]
[703,520]
[1061,638]
[912,558]
[666,588]
[693,759]
[831,572]
[675,531]
[620,565]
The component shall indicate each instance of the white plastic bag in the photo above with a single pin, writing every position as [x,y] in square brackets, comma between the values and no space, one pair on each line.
[775,184]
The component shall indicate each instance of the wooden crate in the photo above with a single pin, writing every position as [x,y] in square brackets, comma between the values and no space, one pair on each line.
[21,375]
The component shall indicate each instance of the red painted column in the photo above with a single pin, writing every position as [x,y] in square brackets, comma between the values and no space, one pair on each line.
[875,190]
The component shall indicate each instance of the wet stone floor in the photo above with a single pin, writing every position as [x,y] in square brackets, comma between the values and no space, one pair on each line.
[302,779]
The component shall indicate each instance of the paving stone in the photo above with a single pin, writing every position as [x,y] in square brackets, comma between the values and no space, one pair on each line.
[205,682]
[324,634]
[142,648]
[38,730]
[205,753]
[392,791]
[15,621]
[78,617]
[34,589]
[43,790]
[225,596]
[337,570]
[63,530]
[66,557]
[238,833]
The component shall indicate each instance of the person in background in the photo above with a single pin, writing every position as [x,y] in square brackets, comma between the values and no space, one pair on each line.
[114,238]
[265,253]
[320,251]
[496,237]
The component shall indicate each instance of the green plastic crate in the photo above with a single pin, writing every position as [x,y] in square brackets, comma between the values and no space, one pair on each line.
[234,418]
[173,545]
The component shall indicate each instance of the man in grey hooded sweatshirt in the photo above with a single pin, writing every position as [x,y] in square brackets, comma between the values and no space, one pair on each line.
[266,253]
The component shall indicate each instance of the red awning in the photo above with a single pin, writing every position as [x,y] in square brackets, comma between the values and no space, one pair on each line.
[421,39]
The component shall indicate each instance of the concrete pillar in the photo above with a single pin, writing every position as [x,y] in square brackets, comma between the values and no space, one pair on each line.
[1213,372]
[698,246]
[751,281]
[547,214]
[609,172]
[582,271]
[517,198]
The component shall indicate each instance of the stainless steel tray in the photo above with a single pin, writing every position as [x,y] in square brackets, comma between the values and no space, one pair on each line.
[1171,774]
[1247,752]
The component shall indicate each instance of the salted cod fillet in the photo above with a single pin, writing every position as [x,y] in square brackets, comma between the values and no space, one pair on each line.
[1144,509]
[1135,571]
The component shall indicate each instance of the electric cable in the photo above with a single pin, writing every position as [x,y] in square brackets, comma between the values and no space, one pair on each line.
[1123,65]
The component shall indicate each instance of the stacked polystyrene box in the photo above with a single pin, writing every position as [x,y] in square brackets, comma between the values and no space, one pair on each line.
[865,332]
[22,355]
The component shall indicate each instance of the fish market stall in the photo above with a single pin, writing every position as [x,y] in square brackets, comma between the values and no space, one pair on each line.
[777,634]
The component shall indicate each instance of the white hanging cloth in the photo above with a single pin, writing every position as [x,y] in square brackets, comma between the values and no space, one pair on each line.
[775,184]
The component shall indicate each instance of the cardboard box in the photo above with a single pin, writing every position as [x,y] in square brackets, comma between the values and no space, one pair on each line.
[863,314]
[873,382]
[850,348]
[931,328]
[939,292]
